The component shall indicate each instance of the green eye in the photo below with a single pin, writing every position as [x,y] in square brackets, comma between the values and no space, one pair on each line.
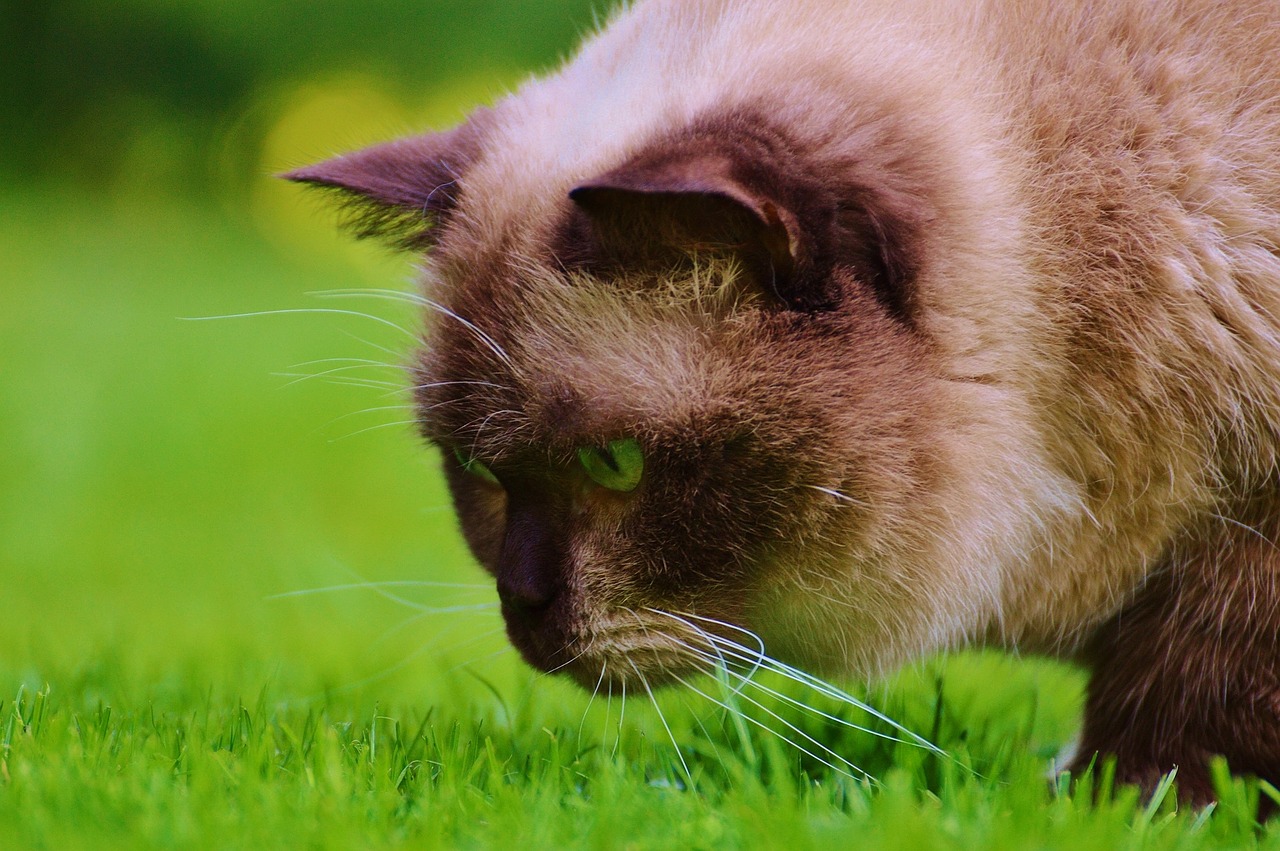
[616,467]
[475,468]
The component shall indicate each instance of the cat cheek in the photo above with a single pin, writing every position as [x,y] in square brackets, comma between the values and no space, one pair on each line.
[481,509]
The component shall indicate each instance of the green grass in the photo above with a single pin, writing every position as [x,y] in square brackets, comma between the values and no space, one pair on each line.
[161,488]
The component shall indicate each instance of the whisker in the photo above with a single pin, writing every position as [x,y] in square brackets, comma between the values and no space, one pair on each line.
[783,696]
[710,638]
[608,713]
[423,301]
[735,712]
[395,598]
[827,690]
[385,672]
[437,637]
[595,691]
[392,352]
[496,653]
[287,311]
[341,380]
[484,338]
[393,583]
[656,708]
[710,739]
[861,774]
[807,679]
[407,406]
[756,662]
[622,712]
[391,631]
[1247,528]
[374,428]
[382,293]
[380,587]
[367,363]
[347,367]
[451,383]
[445,610]
[475,441]
[844,497]
[565,663]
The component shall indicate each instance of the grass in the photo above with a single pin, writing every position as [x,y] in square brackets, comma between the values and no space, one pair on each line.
[175,674]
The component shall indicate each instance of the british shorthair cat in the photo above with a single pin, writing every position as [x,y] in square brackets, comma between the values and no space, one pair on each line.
[870,329]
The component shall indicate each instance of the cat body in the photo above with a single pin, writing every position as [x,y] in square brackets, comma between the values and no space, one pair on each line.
[929,324]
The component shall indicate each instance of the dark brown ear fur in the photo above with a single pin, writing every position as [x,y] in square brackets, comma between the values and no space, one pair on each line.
[398,191]
[734,183]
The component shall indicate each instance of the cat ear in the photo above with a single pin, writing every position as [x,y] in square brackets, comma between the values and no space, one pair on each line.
[398,191]
[692,203]
[799,229]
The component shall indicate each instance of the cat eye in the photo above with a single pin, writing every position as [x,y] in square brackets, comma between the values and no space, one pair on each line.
[475,467]
[617,466]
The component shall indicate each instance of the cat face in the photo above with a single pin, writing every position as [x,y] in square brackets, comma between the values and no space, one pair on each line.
[687,400]
[720,361]
[633,456]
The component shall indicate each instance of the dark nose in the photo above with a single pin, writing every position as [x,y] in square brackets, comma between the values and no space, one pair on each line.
[529,565]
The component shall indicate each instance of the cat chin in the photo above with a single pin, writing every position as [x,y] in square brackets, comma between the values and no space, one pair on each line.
[612,662]
[626,648]
[634,670]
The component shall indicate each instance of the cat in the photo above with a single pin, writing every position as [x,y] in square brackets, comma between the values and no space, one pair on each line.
[871,329]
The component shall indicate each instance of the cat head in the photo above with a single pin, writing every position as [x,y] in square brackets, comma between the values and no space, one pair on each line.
[680,386]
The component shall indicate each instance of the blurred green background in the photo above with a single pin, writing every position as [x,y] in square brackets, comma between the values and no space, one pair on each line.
[162,479]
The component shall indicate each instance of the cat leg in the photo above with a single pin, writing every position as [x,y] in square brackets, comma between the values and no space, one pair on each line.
[1191,667]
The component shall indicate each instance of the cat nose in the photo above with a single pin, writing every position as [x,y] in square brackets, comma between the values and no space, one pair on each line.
[529,564]
[525,590]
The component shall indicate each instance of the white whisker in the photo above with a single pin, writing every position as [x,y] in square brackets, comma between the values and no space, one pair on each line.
[748,681]
[710,638]
[374,428]
[860,775]
[392,352]
[821,686]
[354,362]
[287,311]
[843,497]
[342,380]
[489,343]
[347,367]
[394,583]
[622,711]
[826,689]
[710,739]
[656,708]
[595,691]
[380,589]
[452,383]
[380,293]
[400,627]
[565,663]
[499,652]
[376,409]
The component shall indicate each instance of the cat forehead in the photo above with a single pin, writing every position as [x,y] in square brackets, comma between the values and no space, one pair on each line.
[583,355]
[658,66]
[623,93]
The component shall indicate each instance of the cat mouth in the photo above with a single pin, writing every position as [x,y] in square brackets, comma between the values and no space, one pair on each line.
[628,649]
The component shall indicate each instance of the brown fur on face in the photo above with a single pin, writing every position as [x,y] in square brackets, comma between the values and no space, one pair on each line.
[936,323]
